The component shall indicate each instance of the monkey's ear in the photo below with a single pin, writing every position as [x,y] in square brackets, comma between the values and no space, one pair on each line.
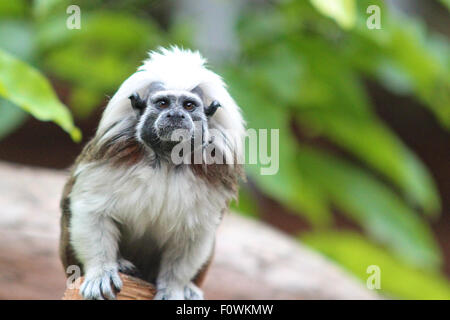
[209,111]
[137,103]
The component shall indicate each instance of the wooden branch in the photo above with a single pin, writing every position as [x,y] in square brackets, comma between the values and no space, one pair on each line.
[252,260]
[133,289]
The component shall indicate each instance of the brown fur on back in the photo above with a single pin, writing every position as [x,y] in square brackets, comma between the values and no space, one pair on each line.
[66,251]
[121,149]
[223,174]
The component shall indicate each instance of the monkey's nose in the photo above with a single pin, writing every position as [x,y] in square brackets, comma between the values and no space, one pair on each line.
[175,115]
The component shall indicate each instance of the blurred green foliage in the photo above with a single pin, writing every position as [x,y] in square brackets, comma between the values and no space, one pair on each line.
[302,64]
[305,63]
[28,89]
[20,83]
[397,279]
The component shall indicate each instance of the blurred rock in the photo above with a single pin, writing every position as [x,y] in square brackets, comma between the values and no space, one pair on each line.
[252,260]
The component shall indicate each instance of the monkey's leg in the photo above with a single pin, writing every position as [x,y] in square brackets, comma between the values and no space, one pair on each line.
[179,265]
[127,267]
[94,238]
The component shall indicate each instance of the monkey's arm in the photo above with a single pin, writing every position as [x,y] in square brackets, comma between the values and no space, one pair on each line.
[94,237]
[180,265]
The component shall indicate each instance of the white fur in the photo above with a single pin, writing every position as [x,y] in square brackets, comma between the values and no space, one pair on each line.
[172,203]
[180,69]
[180,210]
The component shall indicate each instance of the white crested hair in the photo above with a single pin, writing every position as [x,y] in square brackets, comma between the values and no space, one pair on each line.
[180,69]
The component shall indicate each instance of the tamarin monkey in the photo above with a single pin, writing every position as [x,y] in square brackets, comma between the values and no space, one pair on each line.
[128,206]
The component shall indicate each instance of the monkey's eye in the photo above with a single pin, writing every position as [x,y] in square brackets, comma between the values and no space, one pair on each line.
[189,105]
[162,103]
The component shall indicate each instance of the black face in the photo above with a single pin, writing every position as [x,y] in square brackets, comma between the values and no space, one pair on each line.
[165,117]
[174,111]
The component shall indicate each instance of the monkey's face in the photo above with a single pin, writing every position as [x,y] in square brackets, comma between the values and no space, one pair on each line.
[169,115]
[175,111]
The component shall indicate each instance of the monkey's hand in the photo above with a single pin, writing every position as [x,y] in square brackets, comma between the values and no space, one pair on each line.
[169,293]
[101,283]
[192,292]
[189,292]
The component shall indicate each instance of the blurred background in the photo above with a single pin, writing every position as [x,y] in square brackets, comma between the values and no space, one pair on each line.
[363,113]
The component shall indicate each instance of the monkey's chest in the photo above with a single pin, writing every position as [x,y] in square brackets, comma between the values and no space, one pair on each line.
[167,203]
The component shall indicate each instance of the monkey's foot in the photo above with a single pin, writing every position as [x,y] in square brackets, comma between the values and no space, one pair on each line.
[169,293]
[101,284]
[192,292]
[189,292]
[128,268]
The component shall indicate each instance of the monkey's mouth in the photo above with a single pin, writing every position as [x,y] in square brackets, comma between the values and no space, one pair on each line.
[177,131]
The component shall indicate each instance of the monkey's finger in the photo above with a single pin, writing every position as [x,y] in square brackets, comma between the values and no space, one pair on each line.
[85,288]
[106,289]
[116,281]
[90,290]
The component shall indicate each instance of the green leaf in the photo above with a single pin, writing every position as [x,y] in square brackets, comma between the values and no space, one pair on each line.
[13,9]
[102,54]
[17,37]
[397,279]
[430,75]
[246,204]
[30,90]
[418,60]
[286,185]
[85,100]
[374,143]
[10,117]
[42,8]
[373,205]
[331,102]
[342,11]
[279,72]
[446,3]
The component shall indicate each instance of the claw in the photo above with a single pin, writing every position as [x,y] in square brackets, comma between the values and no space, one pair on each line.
[169,294]
[117,282]
[101,286]
[192,292]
